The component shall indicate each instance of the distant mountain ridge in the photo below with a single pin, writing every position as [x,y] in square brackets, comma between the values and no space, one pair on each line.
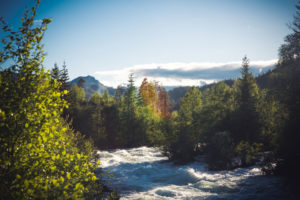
[92,85]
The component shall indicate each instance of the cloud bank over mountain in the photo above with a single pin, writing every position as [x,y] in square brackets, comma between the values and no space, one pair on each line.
[182,74]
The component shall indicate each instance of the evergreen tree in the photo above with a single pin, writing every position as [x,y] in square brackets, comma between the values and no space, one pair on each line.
[213,126]
[105,97]
[184,146]
[95,98]
[64,78]
[246,94]
[245,127]
[191,103]
[128,114]
[55,73]
[77,95]
[286,88]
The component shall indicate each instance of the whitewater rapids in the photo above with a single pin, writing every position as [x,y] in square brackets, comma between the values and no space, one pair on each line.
[144,173]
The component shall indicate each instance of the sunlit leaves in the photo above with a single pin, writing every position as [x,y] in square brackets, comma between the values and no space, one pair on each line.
[38,159]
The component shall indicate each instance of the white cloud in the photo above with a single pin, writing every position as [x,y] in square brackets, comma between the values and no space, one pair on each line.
[181,74]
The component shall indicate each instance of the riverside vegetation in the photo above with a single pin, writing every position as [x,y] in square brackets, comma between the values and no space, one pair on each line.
[41,156]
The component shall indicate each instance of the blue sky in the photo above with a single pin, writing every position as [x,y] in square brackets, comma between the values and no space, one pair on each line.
[101,38]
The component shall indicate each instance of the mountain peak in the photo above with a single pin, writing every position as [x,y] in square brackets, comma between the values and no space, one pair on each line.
[92,85]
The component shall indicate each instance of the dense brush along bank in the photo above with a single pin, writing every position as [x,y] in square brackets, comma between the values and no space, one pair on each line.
[144,173]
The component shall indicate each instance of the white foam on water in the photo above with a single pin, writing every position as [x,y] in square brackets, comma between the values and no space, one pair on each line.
[144,173]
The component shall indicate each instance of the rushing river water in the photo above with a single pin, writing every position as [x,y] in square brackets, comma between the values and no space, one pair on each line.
[143,173]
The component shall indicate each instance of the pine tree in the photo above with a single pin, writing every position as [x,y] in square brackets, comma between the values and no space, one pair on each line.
[213,126]
[95,98]
[129,110]
[246,92]
[64,78]
[245,127]
[55,73]
[190,104]
[184,145]
[105,97]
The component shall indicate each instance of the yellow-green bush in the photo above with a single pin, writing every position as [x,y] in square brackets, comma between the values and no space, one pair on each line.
[39,158]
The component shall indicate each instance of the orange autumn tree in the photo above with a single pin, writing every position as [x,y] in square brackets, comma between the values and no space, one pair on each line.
[149,95]
[155,98]
[163,103]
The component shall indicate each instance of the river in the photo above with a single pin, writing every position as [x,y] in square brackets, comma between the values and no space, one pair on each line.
[144,173]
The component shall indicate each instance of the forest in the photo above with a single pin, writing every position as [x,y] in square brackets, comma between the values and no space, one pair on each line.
[49,129]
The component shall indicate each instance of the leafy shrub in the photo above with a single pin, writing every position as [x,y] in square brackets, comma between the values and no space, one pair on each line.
[220,151]
[40,158]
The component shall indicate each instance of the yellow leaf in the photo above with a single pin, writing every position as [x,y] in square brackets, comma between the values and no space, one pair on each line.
[68,175]
[53,168]
[78,186]
[94,178]
[26,183]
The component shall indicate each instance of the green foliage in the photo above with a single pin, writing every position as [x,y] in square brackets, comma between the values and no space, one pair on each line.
[247,152]
[105,97]
[54,73]
[95,98]
[217,107]
[285,88]
[39,157]
[186,138]
[246,99]
[189,104]
[64,78]
[272,115]
[225,123]
[77,95]
[291,48]
[220,151]
[213,125]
